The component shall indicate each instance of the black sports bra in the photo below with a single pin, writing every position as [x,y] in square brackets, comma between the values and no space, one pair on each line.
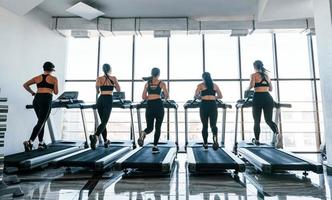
[105,87]
[154,89]
[44,83]
[208,92]
[262,83]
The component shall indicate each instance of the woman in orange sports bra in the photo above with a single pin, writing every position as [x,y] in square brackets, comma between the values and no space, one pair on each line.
[46,86]
[104,85]
[262,99]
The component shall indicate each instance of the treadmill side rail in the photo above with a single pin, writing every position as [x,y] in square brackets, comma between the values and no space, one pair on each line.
[257,161]
[316,167]
[191,161]
[103,162]
[44,159]
[125,157]
[240,163]
[68,155]
[169,160]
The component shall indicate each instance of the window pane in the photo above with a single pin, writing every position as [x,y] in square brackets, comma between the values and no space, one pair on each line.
[186,57]
[150,52]
[86,90]
[293,58]
[82,58]
[117,51]
[298,121]
[314,46]
[257,46]
[72,125]
[221,57]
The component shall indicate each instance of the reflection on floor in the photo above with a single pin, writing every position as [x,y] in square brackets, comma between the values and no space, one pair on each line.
[57,184]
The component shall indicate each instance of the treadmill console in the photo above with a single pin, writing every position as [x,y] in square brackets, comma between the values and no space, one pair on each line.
[65,100]
[119,100]
[196,103]
[166,103]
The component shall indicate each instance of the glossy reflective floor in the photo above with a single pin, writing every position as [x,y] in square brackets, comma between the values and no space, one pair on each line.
[79,184]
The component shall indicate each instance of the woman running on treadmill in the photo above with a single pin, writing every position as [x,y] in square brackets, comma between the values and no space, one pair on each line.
[262,99]
[155,109]
[104,85]
[209,92]
[42,102]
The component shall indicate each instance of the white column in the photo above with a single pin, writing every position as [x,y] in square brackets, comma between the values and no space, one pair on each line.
[323,25]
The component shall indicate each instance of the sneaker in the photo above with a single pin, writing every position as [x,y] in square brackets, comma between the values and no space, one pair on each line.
[27,146]
[93,141]
[155,150]
[215,145]
[205,146]
[42,145]
[107,143]
[255,142]
[141,138]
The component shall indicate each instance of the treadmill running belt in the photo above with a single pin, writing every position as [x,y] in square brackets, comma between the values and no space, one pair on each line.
[276,157]
[18,157]
[91,156]
[211,156]
[145,159]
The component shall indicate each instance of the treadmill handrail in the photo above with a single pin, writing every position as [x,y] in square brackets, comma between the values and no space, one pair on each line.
[172,105]
[220,104]
[246,103]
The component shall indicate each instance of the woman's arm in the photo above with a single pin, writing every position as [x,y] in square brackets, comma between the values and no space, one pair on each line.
[144,94]
[165,90]
[219,94]
[252,82]
[270,85]
[27,85]
[56,86]
[97,86]
[116,84]
[198,91]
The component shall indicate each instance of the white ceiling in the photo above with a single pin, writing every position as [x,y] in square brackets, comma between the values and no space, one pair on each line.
[205,10]
[159,8]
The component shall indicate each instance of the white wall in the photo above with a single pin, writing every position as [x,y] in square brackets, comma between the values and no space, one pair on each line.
[26,42]
[323,25]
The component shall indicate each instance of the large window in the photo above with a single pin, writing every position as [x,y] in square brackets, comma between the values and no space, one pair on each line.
[150,52]
[293,55]
[186,58]
[256,47]
[117,51]
[221,58]
[285,55]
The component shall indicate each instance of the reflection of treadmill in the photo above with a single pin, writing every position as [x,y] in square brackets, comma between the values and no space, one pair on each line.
[141,160]
[267,158]
[37,157]
[102,157]
[200,160]
[286,185]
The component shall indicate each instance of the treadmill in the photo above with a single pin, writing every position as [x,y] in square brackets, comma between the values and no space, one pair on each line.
[267,158]
[102,158]
[141,161]
[24,161]
[210,161]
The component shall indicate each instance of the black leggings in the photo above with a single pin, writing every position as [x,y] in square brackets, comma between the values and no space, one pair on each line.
[104,106]
[263,101]
[154,110]
[208,110]
[42,105]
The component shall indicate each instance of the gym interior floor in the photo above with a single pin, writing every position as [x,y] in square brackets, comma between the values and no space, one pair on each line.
[80,184]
